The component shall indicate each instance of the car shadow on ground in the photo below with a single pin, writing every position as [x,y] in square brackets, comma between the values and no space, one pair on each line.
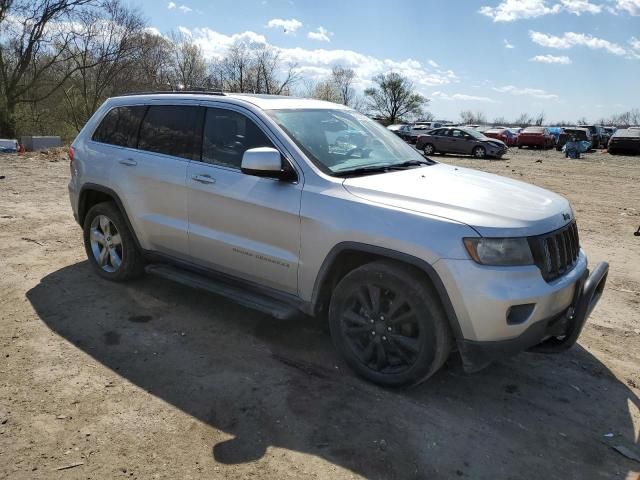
[277,383]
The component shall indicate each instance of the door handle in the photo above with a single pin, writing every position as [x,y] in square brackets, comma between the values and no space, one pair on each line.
[204,179]
[129,162]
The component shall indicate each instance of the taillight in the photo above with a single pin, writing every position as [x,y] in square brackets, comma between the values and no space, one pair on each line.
[71,153]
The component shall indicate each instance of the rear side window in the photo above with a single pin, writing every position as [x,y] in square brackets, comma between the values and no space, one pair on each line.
[172,130]
[227,135]
[120,126]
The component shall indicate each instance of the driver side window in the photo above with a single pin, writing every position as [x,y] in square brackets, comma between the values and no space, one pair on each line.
[227,135]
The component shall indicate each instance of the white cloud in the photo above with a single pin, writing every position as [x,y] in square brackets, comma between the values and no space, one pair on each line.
[571,39]
[578,7]
[153,31]
[320,34]
[634,43]
[632,7]
[562,60]
[529,92]
[507,44]
[319,62]
[510,10]
[182,8]
[288,25]
[461,97]
[433,64]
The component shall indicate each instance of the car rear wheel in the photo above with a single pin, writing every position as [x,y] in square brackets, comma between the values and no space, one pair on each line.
[109,244]
[479,152]
[429,149]
[389,325]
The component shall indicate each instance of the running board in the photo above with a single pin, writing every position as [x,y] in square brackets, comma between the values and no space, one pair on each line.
[241,295]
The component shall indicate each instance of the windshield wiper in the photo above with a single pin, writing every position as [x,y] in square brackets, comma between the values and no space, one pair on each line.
[382,168]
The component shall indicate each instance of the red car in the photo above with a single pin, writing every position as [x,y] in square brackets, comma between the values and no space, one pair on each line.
[536,137]
[503,134]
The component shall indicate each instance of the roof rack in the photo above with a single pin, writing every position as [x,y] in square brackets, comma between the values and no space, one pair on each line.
[171,92]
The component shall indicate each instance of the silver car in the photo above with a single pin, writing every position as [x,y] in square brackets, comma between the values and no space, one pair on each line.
[288,205]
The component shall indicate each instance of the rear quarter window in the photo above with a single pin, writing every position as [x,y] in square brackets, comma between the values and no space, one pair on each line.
[173,130]
[120,126]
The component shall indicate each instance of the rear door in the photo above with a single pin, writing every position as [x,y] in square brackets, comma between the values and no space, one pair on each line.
[239,224]
[152,178]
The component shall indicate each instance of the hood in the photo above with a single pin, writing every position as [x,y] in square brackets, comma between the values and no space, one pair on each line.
[495,141]
[492,205]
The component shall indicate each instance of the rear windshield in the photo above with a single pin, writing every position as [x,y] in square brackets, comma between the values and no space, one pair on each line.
[534,130]
[627,132]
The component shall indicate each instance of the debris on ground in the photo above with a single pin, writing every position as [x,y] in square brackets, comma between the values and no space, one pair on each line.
[71,465]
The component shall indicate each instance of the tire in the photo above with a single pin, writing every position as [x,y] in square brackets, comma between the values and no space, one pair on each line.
[519,147]
[391,345]
[122,260]
[429,149]
[479,152]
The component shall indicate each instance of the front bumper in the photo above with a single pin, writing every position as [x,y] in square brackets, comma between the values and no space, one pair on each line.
[552,335]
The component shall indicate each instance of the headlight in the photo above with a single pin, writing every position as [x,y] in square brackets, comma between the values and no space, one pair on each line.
[499,251]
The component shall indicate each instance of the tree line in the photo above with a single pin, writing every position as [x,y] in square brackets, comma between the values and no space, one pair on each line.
[60,59]
[625,119]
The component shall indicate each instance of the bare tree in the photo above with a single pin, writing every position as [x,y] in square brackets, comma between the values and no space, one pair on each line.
[539,120]
[524,120]
[472,118]
[394,97]
[102,52]
[187,68]
[152,64]
[427,116]
[326,90]
[34,40]
[343,79]
[237,68]
[267,66]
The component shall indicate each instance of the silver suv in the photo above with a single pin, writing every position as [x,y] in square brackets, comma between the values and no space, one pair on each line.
[289,205]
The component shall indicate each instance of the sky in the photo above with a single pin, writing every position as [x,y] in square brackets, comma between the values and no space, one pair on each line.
[564,58]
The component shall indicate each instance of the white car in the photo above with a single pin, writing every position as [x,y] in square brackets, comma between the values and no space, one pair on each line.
[288,205]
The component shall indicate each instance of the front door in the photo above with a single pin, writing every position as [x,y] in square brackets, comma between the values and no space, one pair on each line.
[242,225]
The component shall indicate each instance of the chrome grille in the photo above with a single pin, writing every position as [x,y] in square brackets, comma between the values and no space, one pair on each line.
[556,253]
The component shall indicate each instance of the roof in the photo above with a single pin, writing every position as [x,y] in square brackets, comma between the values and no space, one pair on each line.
[265,102]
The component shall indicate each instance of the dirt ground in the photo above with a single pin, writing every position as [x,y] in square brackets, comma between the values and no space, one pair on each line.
[153,380]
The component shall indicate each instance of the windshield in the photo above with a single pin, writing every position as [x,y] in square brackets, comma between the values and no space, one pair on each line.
[475,133]
[341,140]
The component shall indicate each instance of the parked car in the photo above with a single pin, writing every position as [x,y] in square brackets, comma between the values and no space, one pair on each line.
[597,135]
[403,132]
[504,135]
[466,141]
[536,137]
[580,134]
[395,128]
[262,199]
[626,140]
[416,131]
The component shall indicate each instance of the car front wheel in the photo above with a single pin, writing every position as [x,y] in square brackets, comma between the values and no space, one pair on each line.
[429,149]
[479,152]
[389,325]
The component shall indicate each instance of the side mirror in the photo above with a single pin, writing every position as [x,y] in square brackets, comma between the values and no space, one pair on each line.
[265,162]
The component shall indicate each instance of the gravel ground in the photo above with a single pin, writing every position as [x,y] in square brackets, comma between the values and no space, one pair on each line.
[153,380]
